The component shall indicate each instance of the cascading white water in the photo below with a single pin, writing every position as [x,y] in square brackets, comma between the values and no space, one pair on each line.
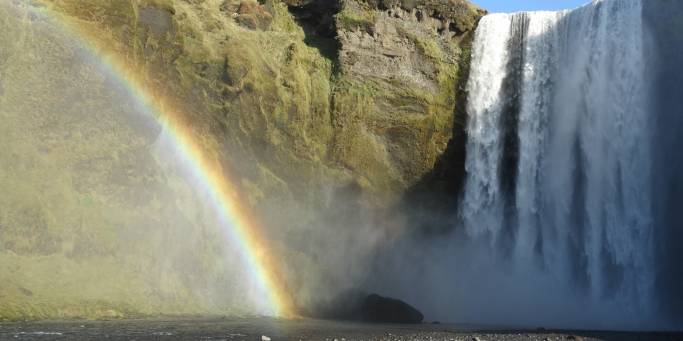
[558,170]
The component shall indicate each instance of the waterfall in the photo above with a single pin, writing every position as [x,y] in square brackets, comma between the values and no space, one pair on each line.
[570,212]
[558,165]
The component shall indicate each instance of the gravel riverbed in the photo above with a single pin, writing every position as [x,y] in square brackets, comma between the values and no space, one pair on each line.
[266,329]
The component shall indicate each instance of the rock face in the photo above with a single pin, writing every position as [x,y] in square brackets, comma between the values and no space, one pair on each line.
[308,104]
[400,66]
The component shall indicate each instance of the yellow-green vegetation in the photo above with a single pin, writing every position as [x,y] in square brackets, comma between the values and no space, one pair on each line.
[97,223]
[429,46]
[391,130]
[354,18]
[93,224]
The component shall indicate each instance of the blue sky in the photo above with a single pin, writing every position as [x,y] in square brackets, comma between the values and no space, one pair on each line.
[527,5]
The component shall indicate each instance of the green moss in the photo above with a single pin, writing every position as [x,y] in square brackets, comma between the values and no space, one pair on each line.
[282,19]
[427,47]
[355,19]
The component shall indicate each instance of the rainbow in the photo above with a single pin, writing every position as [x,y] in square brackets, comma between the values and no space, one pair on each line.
[204,166]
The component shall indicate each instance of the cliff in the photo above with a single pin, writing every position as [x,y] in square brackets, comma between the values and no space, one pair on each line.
[306,103]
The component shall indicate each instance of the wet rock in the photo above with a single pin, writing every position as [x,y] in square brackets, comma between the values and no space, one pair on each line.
[376,308]
[355,305]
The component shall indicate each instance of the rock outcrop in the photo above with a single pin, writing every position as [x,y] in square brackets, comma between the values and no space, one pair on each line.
[376,308]
[396,97]
[356,305]
[308,104]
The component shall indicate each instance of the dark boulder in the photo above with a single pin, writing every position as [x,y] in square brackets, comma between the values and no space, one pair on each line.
[355,305]
[376,308]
